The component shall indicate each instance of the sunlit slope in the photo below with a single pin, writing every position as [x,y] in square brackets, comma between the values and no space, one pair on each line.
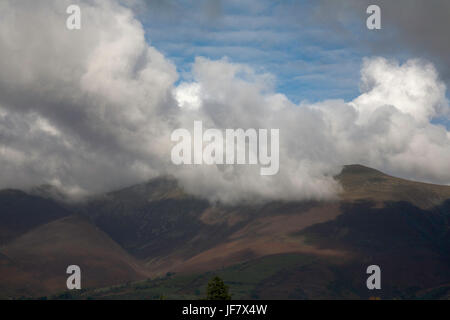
[361,182]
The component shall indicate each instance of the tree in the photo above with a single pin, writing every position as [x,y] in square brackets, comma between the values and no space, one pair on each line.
[217,290]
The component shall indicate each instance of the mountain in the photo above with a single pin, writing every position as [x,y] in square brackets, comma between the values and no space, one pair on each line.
[361,183]
[20,212]
[274,250]
[34,263]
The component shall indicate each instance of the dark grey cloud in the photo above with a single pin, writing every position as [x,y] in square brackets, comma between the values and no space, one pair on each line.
[419,26]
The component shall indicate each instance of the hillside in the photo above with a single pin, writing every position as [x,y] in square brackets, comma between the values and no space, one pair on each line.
[35,263]
[20,212]
[296,250]
[361,183]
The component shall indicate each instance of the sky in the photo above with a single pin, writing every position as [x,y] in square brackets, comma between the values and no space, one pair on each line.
[314,48]
[93,110]
[265,35]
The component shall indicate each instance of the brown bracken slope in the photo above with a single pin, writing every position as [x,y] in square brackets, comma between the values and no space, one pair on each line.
[150,229]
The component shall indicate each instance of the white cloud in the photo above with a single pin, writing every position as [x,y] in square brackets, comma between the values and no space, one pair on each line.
[93,110]
[413,88]
[188,95]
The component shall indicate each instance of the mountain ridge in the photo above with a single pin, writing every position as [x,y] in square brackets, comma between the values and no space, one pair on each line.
[159,229]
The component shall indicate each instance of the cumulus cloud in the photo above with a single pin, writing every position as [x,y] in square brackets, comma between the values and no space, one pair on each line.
[413,88]
[93,110]
[188,95]
[102,89]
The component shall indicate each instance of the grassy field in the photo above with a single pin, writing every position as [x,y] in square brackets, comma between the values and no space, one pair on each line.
[243,280]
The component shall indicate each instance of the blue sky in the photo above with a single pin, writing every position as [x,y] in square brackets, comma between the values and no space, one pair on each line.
[309,62]
[313,48]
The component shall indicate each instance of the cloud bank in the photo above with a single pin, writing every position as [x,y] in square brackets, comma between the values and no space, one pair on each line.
[92,110]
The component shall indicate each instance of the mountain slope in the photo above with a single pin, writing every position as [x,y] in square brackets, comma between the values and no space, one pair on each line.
[363,183]
[20,212]
[400,225]
[313,249]
[35,263]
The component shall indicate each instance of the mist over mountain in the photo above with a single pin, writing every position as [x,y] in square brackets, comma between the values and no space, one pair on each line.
[154,238]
